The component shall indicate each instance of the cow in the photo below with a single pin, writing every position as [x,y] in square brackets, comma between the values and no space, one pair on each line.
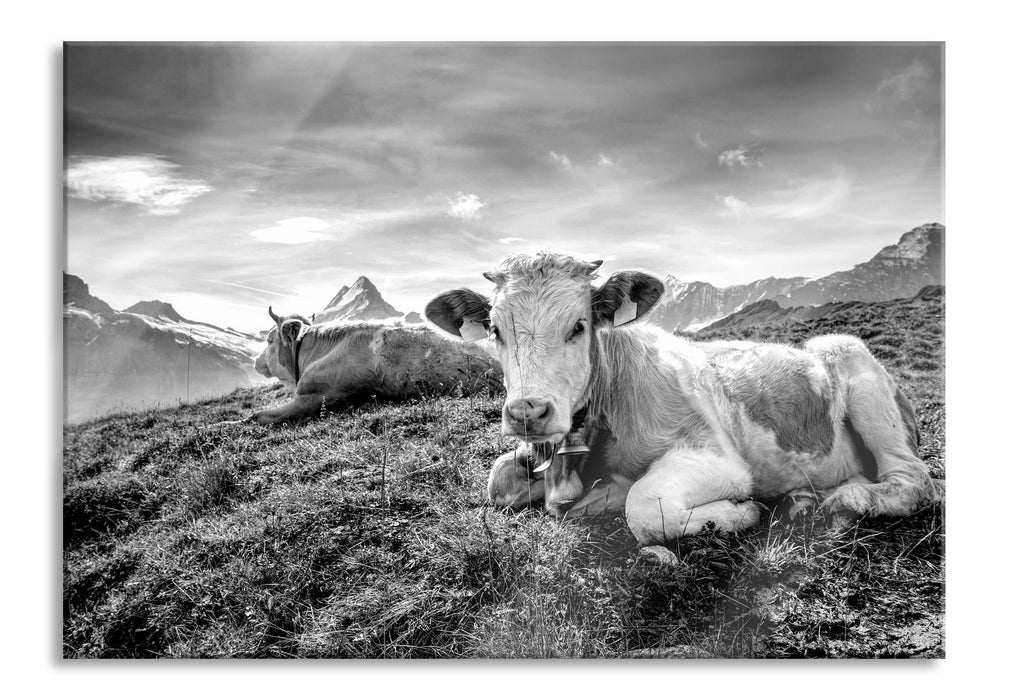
[334,362]
[683,433]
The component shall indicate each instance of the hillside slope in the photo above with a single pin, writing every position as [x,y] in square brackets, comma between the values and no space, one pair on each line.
[367,534]
[147,355]
[769,312]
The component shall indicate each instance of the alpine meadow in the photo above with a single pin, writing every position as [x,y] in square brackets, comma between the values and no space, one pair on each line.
[367,533]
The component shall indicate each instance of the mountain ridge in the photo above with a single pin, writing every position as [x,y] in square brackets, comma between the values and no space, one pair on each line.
[145,355]
[896,271]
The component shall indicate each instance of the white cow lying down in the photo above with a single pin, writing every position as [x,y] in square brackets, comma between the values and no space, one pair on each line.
[689,432]
[334,362]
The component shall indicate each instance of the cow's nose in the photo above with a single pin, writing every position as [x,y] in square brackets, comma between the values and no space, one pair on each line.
[527,411]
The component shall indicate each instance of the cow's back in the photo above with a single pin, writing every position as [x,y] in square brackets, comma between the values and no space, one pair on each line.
[416,361]
[338,360]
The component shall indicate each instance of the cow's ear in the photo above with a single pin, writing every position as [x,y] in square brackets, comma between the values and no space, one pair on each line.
[626,297]
[462,313]
[290,330]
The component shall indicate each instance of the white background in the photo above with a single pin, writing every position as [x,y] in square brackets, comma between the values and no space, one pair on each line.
[976,266]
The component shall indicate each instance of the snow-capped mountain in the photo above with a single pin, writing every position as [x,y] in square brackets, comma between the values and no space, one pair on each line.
[897,271]
[685,304]
[359,302]
[146,355]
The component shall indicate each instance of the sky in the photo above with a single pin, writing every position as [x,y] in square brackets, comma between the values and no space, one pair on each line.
[224,178]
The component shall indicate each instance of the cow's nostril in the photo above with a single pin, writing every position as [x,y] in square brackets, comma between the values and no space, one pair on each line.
[528,410]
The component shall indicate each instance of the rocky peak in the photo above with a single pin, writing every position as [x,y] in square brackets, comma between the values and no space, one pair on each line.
[914,245]
[359,302]
[76,293]
[155,309]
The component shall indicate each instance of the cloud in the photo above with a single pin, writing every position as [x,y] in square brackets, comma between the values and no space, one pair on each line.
[699,140]
[465,206]
[902,91]
[511,239]
[743,157]
[736,208]
[603,161]
[147,181]
[810,201]
[561,160]
[300,229]
[906,84]
[245,286]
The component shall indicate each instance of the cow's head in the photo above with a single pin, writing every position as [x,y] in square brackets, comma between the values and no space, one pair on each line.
[541,323]
[277,359]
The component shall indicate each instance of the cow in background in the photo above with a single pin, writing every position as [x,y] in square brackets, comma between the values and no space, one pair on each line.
[336,362]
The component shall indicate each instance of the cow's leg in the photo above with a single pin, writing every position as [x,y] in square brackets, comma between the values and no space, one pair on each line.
[302,406]
[512,483]
[903,480]
[607,497]
[684,490]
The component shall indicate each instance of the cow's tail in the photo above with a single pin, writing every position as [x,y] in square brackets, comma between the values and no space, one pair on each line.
[910,421]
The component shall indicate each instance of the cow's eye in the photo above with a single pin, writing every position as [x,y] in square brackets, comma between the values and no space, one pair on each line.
[577,330]
[494,333]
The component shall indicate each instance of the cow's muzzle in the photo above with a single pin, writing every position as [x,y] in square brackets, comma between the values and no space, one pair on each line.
[533,419]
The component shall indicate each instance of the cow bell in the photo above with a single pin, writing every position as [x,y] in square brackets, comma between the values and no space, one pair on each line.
[573,445]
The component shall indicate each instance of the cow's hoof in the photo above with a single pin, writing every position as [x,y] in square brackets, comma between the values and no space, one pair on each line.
[659,554]
[799,506]
[559,508]
[259,419]
[848,498]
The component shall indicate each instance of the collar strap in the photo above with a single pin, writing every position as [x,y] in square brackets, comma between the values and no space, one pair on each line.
[578,419]
[297,353]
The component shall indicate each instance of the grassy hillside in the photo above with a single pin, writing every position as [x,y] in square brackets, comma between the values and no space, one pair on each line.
[367,534]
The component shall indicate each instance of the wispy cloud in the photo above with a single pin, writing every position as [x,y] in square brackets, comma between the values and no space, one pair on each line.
[809,201]
[300,229]
[902,90]
[465,205]
[735,207]
[701,143]
[907,83]
[603,162]
[746,156]
[511,239]
[149,182]
[561,159]
[245,286]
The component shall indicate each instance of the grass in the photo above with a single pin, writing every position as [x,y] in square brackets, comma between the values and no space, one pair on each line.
[367,534]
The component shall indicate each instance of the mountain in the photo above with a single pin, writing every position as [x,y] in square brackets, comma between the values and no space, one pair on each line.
[145,355]
[685,304]
[769,312]
[156,309]
[359,302]
[897,271]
